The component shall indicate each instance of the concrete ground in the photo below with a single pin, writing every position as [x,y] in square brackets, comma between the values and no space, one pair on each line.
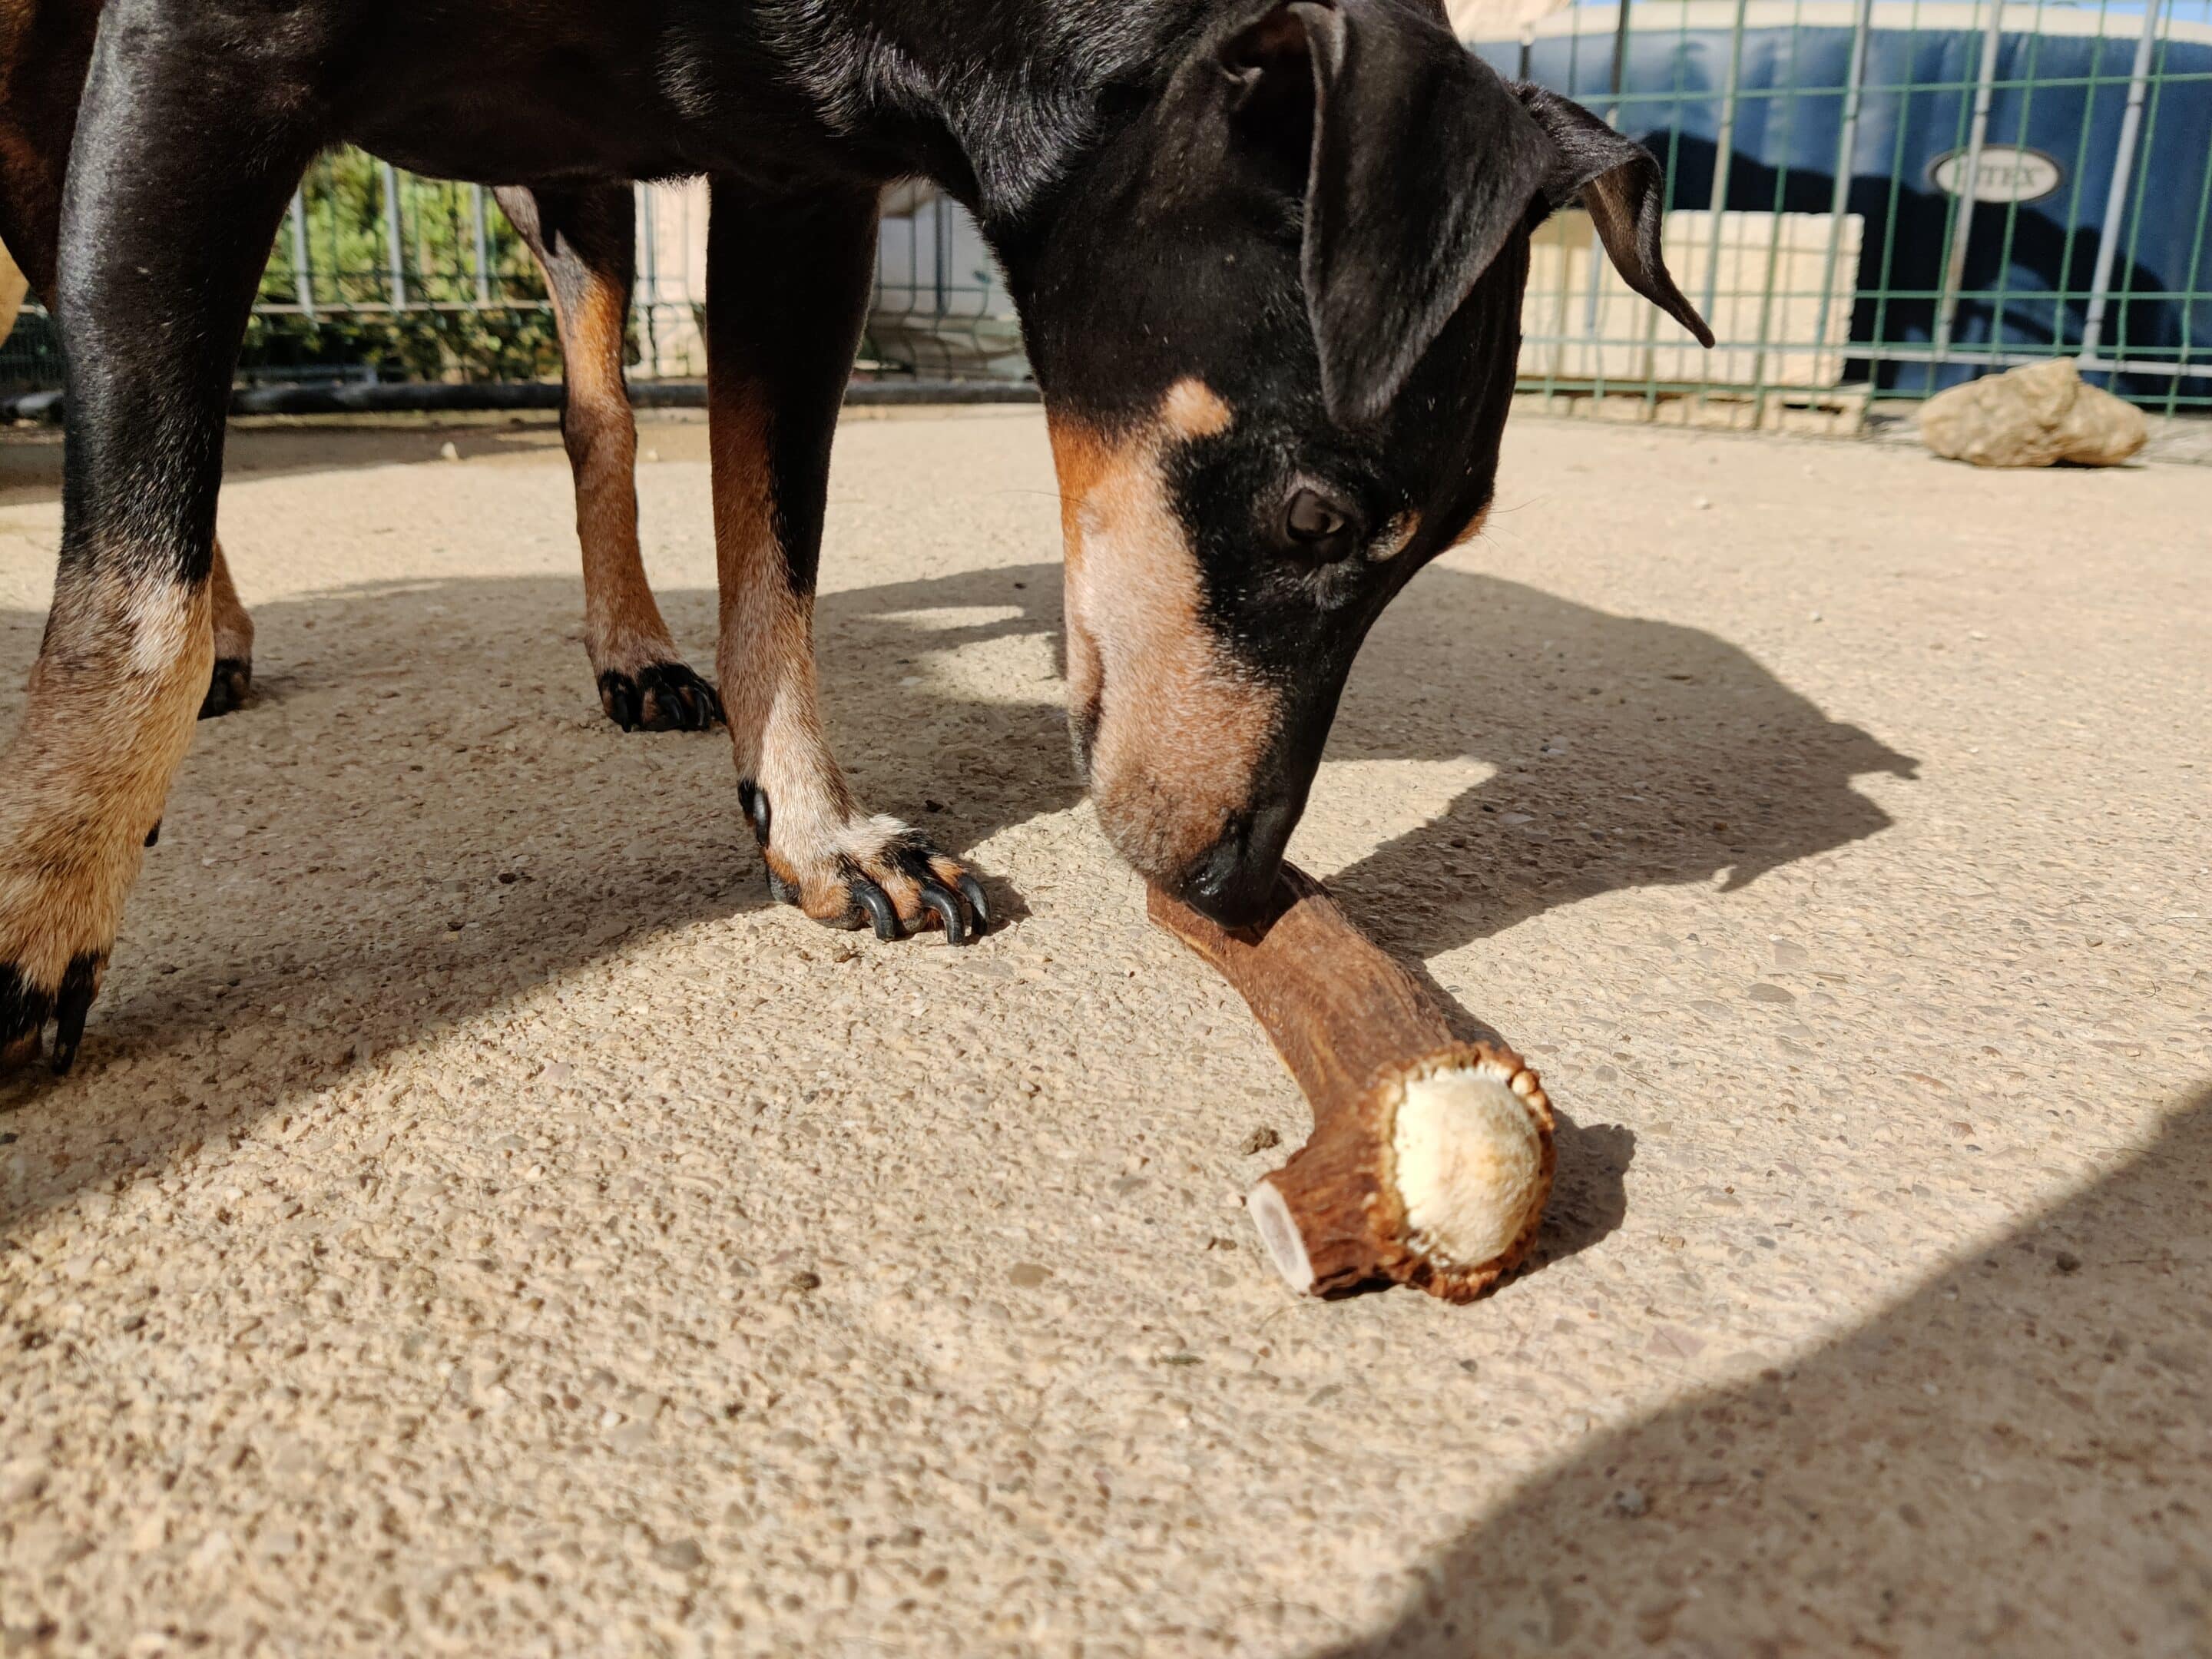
[480,1224]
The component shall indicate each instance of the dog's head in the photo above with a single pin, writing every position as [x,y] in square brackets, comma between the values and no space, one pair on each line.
[1275,319]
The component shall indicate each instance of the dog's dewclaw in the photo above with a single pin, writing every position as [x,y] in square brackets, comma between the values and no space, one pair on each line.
[1430,1159]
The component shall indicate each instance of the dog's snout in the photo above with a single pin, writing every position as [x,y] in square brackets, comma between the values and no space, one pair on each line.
[1233,882]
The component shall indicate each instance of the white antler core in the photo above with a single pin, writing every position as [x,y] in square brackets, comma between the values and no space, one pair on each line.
[1470,1163]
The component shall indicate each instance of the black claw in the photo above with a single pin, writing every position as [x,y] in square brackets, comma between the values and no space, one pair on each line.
[689,701]
[753,799]
[877,903]
[226,687]
[80,984]
[972,890]
[662,697]
[23,1010]
[618,696]
[153,835]
[783,892]
[941,901]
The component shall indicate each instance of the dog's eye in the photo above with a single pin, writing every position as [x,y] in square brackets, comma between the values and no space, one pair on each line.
[1316,526]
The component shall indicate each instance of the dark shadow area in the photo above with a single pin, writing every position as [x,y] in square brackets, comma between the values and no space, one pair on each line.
[2013,1459]
[453,739]
[1589,1188]
[1630,753]
[275,447]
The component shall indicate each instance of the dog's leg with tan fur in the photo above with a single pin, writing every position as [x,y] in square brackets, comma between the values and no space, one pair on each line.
[585,239]
[44,52]
[175,192]
[232,676]
[786,289]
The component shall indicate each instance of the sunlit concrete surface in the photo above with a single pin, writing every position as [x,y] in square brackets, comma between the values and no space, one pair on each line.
[602,1261]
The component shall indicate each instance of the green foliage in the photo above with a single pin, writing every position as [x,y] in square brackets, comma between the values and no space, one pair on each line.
[505,344]
[511,337]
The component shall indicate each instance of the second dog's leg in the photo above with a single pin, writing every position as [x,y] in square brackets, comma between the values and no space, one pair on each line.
[233,643]
[585,239]
[786,289]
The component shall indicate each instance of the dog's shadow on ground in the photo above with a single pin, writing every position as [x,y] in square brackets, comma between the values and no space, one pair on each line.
[392,833]
[1627,752]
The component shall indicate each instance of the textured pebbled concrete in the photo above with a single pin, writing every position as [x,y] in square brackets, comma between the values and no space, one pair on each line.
[479,1224]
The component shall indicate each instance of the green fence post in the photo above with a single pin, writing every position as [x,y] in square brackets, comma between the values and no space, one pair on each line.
[1724,152]
[395,251]
[2116,202]
[303,280]
[480,233]
[1955,265]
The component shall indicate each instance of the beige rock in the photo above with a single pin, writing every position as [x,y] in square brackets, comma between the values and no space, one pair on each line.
[2032,416]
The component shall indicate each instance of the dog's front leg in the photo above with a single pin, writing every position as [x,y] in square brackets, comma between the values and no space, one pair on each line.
[788,286]
[44,57]
[175,191]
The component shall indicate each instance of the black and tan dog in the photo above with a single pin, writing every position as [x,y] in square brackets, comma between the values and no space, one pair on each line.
[1269,258]
[585,240]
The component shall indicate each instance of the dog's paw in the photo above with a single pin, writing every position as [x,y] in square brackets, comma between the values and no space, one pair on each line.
[662,697]
[63,878]
[27,1007]
[57,920]
[870,872]
[226,687]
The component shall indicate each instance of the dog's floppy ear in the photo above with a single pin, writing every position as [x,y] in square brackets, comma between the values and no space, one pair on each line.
[1419,164]
[1618,184]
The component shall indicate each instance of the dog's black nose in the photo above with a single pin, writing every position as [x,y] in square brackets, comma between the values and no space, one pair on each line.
[1234,882]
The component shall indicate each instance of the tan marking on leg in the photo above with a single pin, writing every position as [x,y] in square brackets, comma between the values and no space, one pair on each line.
[234,623]
[110,713]
[623,631]
[1181,729]
[765,663]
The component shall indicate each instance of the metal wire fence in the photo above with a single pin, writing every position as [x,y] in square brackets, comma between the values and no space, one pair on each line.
[378,276]
[1882,198]
[1867,198]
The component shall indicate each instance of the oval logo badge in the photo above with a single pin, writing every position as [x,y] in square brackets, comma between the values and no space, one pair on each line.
[2007,173]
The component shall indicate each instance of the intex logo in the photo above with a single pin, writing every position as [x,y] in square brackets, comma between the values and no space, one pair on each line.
[2005,173]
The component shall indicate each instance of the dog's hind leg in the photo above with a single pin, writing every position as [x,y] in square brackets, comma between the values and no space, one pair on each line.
[232,675]
[177,183]
[46,46]
[585,239]
[787,287]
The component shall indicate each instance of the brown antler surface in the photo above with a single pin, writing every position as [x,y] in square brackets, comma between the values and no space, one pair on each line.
[1430,1159]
